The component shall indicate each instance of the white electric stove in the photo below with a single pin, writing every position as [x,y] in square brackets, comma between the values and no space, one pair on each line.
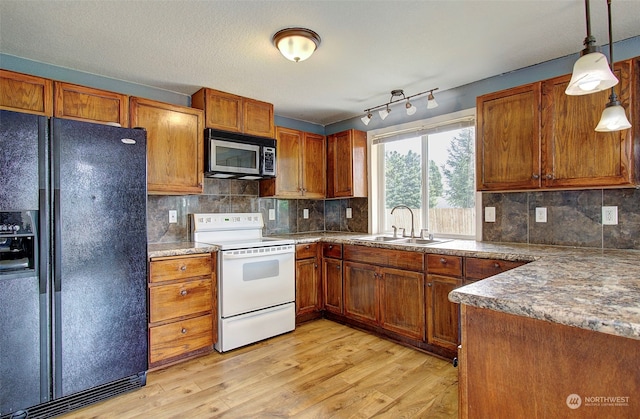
[256,278]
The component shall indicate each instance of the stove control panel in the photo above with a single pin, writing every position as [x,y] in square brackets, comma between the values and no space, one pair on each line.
[227,221]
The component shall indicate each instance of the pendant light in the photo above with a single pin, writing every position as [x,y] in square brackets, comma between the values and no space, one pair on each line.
[591,73]
[614,117]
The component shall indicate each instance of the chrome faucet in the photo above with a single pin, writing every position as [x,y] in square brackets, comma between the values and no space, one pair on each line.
[411,211]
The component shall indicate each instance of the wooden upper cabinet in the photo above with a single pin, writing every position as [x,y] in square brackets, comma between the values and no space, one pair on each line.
[174,146]
[536,136]
[300,166]
[575,155]
[257,118]
[229,112]
[347,164]
[91,105]
[508,139]
[24,93]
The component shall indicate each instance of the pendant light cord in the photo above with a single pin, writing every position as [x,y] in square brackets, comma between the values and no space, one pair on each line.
[613,98]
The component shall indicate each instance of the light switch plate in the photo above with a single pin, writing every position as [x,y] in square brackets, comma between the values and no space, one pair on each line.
[541,215]
[272,214]
[610,215]
[349,213]
[489,214]
[305,213]
[173,216]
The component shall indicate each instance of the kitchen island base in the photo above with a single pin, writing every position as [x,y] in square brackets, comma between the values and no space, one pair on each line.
[512,366]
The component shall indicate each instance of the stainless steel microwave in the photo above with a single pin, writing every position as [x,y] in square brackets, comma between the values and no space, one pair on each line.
[237,156]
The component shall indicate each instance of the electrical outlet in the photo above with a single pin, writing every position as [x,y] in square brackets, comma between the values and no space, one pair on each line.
[305,213]
[490,214]
[541,215]
[349,213]
[272,214]
[610,215]
[173,216]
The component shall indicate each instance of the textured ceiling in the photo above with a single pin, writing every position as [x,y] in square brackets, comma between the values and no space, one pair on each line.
[368,47]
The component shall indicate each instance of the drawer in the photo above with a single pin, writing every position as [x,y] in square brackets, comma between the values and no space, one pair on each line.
[413,261]
[483,268]
[179,338]
[332,250]
[306,251]
[177,268]
[444,265]
[179,299]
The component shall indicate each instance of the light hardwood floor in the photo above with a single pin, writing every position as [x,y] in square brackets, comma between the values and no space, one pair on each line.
[321,370]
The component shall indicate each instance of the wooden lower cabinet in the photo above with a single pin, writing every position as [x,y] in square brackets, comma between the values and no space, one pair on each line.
[443,317]
[182,308]
[332,285]
[385,296]
[308,283]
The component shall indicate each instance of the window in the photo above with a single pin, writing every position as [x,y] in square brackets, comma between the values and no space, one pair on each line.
[430,169]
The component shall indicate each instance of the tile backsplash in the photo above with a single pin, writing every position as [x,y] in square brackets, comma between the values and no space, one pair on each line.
[228,195]
[574,218]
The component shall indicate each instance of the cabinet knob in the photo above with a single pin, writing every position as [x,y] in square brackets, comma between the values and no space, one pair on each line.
[549,176]
[183,268]
[183,331]
[337,266]
[183,292]
[496,265]
[429,284]
[315,265]
[535,176]
[307,247]
[443,260]
[455,362]
[330,246]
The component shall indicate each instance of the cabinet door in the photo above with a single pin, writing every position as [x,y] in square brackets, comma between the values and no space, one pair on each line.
[91,105]
[332,285]
[288,178]
[361,292]
[222,110]
[174,145]
[314,167]
[258,118]
[347,164]
[575,155]
[308,286]
[25,93]
[508,139]
[442,315]
[402,302]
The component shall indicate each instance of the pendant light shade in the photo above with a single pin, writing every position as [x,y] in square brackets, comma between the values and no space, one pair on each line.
[614,118]
[296,44]
[591,73]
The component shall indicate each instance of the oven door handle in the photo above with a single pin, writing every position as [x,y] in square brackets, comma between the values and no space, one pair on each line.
[252,253]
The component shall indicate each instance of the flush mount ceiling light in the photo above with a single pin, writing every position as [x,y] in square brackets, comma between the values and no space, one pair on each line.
[614,118]
[397,95]
[591,73]
[296,44]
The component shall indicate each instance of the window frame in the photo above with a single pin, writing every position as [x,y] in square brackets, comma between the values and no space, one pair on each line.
[376,168]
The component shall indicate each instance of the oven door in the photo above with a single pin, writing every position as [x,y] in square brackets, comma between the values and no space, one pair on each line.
[234,158]
[253,279]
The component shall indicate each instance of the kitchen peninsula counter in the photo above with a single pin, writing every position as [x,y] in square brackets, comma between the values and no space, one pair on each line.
[593,289]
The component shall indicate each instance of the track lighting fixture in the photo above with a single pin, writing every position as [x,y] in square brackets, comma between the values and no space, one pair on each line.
[613,117]
[591,72]
[398,95]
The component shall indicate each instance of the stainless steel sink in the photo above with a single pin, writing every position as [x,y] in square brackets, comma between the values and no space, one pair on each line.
[404,240]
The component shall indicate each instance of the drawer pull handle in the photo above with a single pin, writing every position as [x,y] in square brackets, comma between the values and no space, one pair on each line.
[443,260]
[183,292]
[183,268]
[183,331]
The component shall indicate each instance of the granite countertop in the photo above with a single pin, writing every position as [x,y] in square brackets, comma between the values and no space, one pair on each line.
[592,289]
[157,250]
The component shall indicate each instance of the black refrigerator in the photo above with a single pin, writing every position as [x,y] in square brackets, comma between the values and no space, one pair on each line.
[73,307]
